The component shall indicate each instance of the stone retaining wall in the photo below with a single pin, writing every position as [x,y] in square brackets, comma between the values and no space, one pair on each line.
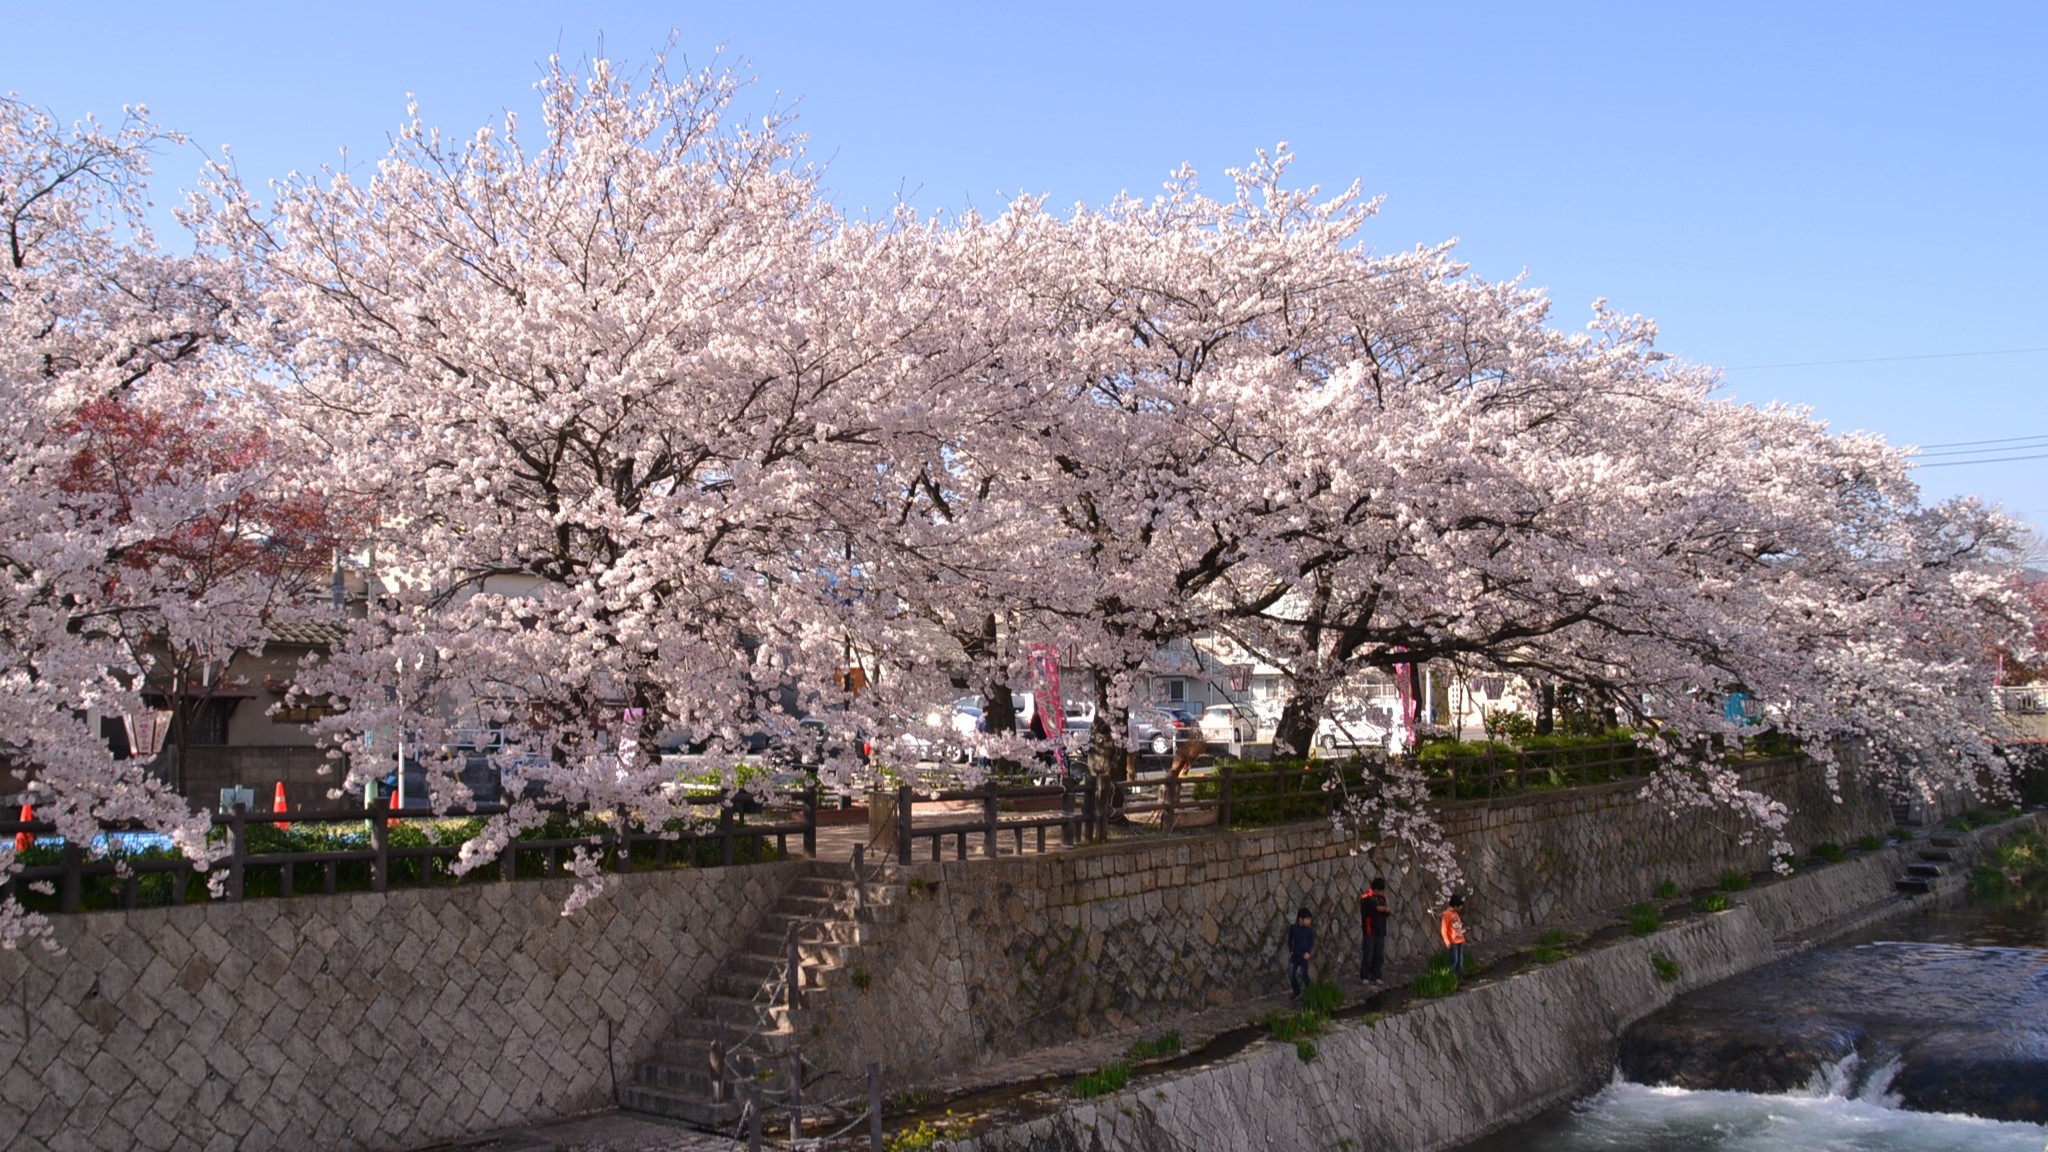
[357,1021]
[993,958]
[1447,1072]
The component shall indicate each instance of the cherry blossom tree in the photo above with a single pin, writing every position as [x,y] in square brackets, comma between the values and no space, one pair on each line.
[109,350]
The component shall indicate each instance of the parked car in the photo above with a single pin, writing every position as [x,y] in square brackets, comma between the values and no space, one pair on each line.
[1160,728]
[1234,724]
[1349,730]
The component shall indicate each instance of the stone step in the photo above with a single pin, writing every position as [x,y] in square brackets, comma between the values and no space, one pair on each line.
[680,1106]
[1913,885]
[695,1035]
[744,1012]
[1941,855]
[1928,871]
[1945,840]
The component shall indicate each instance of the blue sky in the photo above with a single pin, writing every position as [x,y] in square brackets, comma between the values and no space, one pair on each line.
[1775,183]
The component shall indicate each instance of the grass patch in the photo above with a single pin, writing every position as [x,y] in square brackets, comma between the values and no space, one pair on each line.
[1109,1078]
[1902,833]
[1974,819]
[1165,1045]
[1666,890]
[1642,919]
[1321,997]
[1712,902]
[1733,881]
[1287,1027]
[1832,853]
[1869,843]
[1436,982]
[1546,954]
[1306,1049]
[1667,968]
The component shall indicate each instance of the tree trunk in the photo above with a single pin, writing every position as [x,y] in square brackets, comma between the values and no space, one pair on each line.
[1296,732]
[1546,707]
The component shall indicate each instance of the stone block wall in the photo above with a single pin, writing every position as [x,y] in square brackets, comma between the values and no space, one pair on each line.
[369,1021]
[992,958]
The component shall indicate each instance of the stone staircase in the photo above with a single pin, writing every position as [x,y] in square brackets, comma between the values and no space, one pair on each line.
[740,1027]
[1929,864]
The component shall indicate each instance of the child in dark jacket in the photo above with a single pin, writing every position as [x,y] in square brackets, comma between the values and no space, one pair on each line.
[1301,944]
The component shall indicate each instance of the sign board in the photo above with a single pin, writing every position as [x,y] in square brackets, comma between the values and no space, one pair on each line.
[1240,677]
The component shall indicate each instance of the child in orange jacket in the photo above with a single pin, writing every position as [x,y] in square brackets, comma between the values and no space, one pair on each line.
[1452,928]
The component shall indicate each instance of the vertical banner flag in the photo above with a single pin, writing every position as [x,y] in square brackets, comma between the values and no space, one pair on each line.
[1044,662]
[1404,685]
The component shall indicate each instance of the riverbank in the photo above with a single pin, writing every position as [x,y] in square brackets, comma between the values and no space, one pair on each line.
[1510,1045]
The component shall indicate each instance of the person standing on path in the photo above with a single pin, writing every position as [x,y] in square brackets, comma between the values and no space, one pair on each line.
[1452,928]
[1301,944]
[1372,920]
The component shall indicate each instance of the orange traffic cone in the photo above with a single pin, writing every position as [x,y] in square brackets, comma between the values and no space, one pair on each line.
[22,840]
[277,804]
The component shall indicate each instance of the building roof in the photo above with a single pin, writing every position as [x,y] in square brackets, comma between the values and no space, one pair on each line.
[308,634]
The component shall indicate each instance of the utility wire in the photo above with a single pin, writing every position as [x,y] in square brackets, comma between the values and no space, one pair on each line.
[1884,359]
[2041,443]
[1967,443]
[1996,460]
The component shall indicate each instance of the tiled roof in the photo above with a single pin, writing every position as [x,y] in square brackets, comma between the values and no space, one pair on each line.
[308,634]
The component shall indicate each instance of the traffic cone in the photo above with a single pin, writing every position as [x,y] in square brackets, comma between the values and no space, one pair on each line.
[23,840]
[277,804]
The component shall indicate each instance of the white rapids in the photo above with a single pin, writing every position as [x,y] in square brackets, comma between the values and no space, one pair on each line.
[1834,1114]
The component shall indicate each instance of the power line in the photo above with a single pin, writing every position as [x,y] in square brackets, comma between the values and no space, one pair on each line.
[2028,446]
[1967,443]
[1995,460]
[1885,359]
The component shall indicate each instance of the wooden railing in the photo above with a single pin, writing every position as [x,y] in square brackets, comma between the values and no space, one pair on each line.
[990,823]
[621,852]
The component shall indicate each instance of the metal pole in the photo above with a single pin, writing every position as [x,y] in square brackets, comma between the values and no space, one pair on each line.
[796,1095]
[874,1108]
[236,849]
[860,877]
[753,1116]
[794,992]
[718,1061]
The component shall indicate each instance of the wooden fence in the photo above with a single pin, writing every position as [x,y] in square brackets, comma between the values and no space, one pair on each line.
[630,850]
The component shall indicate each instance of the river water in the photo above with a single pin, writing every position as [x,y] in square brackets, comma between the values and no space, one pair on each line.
[1880,1027]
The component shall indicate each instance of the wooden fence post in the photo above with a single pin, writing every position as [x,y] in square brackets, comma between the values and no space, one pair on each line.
[988,819]
[903,805]
[860,881]
[1223,797]
[237,848]
[380,847]
[725,833]
[71,896]
[811,821]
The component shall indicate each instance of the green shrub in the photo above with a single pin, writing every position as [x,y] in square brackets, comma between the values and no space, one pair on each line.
[1322,998]
[1306,1049]
[1902,833]
[1832,853]
[1546,954]
[1109,1078]
[1733,881]
[1642,918]
[1988,883]
[1164,1045]
[1869,843]
[1506,724]
[1558,938]
[1436,982]
[1666,890]
[1712,902]
[1667,969]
